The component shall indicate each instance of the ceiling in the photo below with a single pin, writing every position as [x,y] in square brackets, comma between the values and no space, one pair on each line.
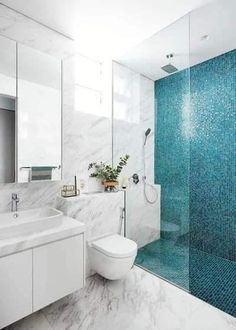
[105,28]
[185,39]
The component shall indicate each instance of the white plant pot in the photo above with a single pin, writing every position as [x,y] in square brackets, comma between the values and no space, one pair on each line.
[93,185]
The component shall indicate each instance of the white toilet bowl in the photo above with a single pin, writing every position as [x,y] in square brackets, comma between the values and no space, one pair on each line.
[112,256]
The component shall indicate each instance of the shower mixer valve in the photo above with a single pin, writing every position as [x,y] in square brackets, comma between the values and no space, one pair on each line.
[135,178]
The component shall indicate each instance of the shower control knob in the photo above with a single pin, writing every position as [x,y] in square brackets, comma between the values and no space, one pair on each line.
[135,178]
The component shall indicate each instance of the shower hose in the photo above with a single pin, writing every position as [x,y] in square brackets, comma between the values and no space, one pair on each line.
[145,185]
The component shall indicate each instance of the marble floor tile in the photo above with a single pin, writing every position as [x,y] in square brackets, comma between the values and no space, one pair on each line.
[36,321]
[141,301]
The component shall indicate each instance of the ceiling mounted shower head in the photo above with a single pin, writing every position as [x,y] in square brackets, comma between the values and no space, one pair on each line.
[169,68]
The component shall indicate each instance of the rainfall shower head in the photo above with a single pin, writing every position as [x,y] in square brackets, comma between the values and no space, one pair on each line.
[169,68]
[148,131]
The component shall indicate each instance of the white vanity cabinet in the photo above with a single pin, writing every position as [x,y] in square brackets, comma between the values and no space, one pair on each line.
[32,279]
[57,270]
[15,287]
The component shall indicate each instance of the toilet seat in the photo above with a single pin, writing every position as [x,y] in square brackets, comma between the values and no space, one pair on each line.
[115,246]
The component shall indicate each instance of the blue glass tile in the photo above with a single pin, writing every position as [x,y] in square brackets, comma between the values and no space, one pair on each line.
[167,259]
[195,165]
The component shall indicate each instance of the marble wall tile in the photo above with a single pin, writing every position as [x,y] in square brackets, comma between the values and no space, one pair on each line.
[87,136]
[32,195]
[133,111]
[143,219]
[87,139]
[101,213]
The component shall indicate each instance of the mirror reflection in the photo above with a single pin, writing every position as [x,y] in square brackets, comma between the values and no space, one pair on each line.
[7,109]
[39,120]
[30,129]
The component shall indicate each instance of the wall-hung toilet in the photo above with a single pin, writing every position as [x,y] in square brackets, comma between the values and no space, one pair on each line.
[112,256]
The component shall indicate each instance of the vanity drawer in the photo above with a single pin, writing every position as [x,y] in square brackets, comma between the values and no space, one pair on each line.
[58,270]
[15,287]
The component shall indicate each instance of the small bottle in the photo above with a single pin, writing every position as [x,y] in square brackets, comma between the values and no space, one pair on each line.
[124,182]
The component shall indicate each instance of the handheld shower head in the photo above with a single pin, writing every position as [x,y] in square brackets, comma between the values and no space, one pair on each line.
[148,131]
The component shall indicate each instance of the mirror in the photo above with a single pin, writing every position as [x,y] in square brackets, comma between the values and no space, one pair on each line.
[30,128]
[39,119]
[7,109]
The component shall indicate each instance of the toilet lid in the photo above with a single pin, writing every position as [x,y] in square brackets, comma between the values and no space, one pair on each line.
[116,246]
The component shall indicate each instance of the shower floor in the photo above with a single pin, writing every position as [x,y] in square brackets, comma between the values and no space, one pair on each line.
[206,276]
[166,259]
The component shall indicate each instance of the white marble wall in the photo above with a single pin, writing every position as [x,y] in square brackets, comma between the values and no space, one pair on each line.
[101,213]
[133,110]
[87,136]
[32,195]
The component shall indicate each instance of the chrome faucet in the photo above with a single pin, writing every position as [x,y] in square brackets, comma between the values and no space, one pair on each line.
[14,202]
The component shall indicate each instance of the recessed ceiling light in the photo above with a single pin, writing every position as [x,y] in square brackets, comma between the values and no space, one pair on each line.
[205,37]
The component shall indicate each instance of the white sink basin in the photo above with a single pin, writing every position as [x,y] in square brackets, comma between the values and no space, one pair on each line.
[27,222]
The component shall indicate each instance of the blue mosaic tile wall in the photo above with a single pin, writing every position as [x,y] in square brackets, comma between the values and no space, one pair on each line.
[172,152]
[212,161]
[200,194]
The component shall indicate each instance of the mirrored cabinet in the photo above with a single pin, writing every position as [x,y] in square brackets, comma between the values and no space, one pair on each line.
[7,110]
[30,114]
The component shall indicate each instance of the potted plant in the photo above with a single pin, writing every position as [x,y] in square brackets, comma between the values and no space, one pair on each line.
[108,174]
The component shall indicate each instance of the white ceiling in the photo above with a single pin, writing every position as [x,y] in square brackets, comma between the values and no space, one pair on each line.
[183,39]
[105,28]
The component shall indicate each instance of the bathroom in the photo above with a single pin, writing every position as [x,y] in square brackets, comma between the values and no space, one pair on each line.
[83,85]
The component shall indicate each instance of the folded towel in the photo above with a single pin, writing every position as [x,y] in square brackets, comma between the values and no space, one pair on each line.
[41,172]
